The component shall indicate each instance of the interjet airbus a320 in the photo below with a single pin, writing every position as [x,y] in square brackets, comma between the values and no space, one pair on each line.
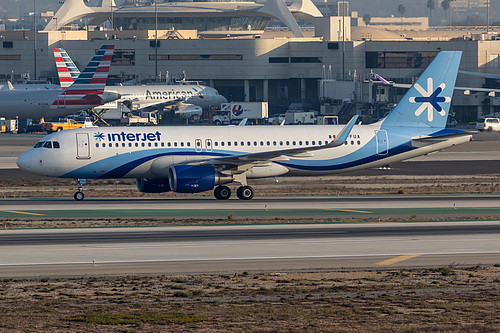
[197,159]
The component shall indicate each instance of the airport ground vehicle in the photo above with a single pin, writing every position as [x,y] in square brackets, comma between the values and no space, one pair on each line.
[300,117]
[50,127]
[488,124]
[9,125]
[277,119]
[234,112]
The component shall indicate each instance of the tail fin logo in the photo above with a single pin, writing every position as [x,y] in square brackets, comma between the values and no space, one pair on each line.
[430,99]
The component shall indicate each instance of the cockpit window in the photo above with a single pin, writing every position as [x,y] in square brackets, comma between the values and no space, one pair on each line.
[39,144]
[56,145]
[47,144]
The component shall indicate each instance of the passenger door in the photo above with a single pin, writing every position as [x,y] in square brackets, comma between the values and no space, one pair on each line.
[82,146]
[382,142]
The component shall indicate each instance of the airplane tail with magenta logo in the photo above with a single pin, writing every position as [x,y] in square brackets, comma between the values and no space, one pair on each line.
[427,102]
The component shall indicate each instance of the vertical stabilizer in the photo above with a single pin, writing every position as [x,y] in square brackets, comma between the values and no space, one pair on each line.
[88,88]
[427,102]
[66,68]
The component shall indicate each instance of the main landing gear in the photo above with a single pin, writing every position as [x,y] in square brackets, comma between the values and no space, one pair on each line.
[79,196]
[243,192]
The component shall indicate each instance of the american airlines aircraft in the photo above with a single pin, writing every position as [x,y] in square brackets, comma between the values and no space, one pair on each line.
[86,92]
[185,99]
[196,159]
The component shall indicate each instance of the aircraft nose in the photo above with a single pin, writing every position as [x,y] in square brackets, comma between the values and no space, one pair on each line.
[24,161]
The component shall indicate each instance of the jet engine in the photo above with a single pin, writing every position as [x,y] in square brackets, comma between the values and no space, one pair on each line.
[195,178]
[152,185]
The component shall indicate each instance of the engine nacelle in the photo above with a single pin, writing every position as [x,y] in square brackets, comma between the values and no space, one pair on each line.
[195,178]
[152,185]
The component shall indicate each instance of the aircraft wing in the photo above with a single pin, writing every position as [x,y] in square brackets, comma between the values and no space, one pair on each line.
[151,106]
[441,136]
[464,89]
[244,162]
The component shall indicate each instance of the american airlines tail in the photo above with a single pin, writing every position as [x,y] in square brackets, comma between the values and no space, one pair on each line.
[66,68]
[88,88]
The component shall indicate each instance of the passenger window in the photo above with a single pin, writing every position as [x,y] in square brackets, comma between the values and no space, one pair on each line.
[293,143]
[359,142]
[255,143]
[97,145]
[47,144]
[169,144]
[188,144]
[130,144]
[142,144]
[268,143]
[235,143]
[163,144]
[307,143]
[300,143]
[262,143]
[288,143]
[352,142]
[175,144]
[216,143]
[156,144]
[149,144]
[116,144]
[229,143]
[274,143]
[182,144]
[248,144]
[56,144]
[313,143]
[137,144]
[123,144]
[281,143]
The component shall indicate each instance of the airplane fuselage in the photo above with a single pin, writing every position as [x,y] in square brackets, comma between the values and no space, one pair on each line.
[145,95]
[124,152]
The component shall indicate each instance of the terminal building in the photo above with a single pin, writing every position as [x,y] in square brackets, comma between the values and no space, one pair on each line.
[258,51]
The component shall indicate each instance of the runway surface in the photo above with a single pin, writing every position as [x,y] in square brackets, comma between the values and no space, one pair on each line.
[263,207]
[209,249]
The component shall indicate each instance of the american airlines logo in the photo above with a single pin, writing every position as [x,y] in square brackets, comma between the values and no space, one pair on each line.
[123,137]
[169,94]
[430,99]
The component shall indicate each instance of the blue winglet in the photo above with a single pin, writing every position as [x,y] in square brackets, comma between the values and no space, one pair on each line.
[344,134]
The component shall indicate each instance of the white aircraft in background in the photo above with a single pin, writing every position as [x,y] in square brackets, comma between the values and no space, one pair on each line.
[86,92]
[184,99]
[200,158]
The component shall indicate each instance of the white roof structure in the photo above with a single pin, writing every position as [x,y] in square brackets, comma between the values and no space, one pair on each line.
[203,16]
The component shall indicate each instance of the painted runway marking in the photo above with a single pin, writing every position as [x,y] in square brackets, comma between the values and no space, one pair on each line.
[396,259]
[349,210]
[17,212]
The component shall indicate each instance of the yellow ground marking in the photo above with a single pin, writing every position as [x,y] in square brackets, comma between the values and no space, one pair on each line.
[397,259]
[16,212]
[350,210]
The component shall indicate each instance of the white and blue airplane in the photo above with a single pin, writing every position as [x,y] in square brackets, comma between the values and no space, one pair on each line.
[197,159]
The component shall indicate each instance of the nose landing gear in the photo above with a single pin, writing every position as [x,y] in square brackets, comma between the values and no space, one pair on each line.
[79,195]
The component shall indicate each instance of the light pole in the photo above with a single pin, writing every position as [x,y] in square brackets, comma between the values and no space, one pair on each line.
[156,42]
[34,35]
[487,16]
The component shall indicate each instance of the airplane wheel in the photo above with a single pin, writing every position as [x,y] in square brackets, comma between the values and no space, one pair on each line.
[79,196]
[222,193]
[245,193]
[217,123]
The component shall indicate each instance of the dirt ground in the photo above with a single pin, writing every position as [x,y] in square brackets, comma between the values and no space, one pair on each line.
[442,299]
[293,186]
[436,299]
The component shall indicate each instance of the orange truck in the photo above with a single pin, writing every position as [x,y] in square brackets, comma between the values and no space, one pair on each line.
[50,127]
